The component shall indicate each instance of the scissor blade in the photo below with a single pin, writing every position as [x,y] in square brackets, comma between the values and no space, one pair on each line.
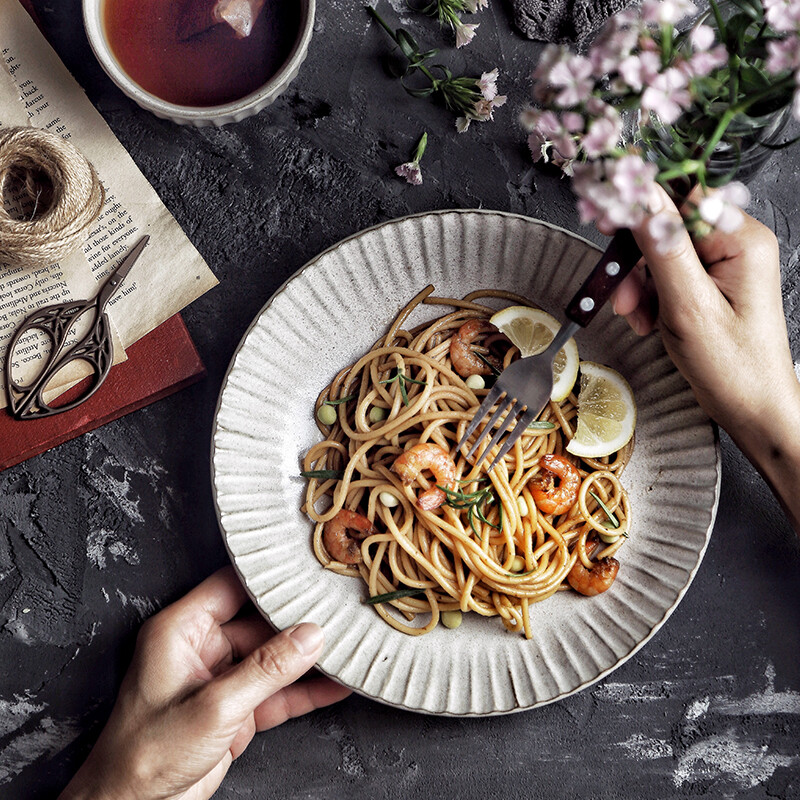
[118,275]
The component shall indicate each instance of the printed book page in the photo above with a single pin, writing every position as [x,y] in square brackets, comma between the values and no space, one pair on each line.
[36,89]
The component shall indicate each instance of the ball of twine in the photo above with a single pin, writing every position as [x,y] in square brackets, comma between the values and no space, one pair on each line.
[63,188]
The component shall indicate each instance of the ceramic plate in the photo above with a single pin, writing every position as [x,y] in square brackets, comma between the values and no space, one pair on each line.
[324,318]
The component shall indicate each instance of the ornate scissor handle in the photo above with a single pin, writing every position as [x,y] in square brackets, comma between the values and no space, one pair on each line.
[95,348]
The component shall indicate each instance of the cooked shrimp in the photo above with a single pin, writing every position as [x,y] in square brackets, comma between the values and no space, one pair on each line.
[465,361]
[548,497]
[427,456]
[341,532]
[596,580]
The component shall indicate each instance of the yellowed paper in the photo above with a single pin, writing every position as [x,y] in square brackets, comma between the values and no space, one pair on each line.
[36,89]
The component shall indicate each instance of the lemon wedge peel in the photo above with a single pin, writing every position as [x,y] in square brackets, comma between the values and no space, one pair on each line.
[606,412]
[531,330]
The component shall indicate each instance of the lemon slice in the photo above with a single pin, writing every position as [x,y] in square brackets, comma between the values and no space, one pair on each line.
[531,330]
[606,412]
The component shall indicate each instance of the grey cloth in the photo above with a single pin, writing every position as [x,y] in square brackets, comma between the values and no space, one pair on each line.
[564,21]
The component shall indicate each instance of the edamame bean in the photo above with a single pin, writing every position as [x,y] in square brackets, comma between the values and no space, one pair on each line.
[451,619]
[326,414]
[376,414]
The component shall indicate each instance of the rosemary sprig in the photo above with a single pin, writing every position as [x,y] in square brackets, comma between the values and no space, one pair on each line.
[323,474]
[475,503]
[402,379]
[340,400]
[385,598]
[488,363]
[611,518]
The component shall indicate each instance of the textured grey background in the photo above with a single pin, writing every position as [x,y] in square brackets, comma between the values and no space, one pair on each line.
[99,533]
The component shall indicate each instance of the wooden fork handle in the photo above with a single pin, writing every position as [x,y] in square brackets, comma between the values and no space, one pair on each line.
[614,265]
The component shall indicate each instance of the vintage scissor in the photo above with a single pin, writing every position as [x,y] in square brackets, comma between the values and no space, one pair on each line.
[95,347]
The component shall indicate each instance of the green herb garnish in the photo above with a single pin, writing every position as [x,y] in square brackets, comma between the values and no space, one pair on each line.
[611,518]
[385,598]
[340,400]
[402,379]
[541,425]
[324,474]
[488,363]
[475,503]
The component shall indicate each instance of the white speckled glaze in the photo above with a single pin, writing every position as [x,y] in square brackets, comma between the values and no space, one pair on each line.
[189,115]
[322,319]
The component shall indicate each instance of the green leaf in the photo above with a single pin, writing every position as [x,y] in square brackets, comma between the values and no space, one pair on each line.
[611,518]
[340,400]
[406,43]
[418,92]
[323,474]
[385,598]
[541,425]
[747,8]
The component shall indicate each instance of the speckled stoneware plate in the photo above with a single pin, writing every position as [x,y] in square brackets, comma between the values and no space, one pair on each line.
[330,313]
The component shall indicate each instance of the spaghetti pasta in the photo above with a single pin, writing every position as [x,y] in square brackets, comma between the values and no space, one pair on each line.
[426,530]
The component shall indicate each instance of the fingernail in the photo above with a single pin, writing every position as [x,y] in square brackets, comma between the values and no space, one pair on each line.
[306,637]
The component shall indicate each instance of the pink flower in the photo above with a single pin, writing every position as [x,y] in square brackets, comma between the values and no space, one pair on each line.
[464,33]
[667,12]
[667,230]
[723,209]
[602,137]
[615,41]
[601,200]
[574,77]
[702,37]
[633,178]
[703,63]
[551,55]
[639,70]
[488,84]
[783,15]
[538,145]
[411,171]
[667,96]
[784,54]
[481,111]
[704,58]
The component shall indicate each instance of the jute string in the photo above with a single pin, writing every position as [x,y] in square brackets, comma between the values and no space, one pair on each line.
[63,187]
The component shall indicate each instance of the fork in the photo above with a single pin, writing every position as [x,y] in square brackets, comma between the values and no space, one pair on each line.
[527,383]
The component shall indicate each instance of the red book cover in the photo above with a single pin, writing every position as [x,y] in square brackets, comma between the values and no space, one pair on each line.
[159,364]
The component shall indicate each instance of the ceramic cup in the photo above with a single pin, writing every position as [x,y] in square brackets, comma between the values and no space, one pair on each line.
[193,115]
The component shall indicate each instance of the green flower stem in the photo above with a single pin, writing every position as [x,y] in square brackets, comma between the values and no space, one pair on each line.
[421,67]
[384,24]
[740,108]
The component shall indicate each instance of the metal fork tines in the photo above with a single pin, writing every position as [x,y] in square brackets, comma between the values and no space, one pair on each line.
[525,387]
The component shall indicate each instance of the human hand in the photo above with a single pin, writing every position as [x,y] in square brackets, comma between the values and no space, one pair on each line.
[201,683]
[718,306]
[717,303]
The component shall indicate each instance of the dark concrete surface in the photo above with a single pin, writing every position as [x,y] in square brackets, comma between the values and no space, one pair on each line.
[104,530]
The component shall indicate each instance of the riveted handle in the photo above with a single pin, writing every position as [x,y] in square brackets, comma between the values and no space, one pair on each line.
[614,265]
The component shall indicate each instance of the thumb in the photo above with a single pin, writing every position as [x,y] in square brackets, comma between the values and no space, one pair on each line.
[669,252]
[270,667]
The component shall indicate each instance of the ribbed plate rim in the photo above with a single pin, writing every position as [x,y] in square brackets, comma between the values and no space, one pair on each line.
[486,214]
